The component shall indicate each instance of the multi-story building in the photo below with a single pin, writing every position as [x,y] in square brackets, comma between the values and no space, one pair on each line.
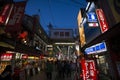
[101,30]
[37,37]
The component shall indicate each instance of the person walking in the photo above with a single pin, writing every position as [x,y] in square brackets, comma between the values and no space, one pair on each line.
[7,73]
[49,69]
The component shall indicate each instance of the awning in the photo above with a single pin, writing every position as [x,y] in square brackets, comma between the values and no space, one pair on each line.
[3,44]
[27,49]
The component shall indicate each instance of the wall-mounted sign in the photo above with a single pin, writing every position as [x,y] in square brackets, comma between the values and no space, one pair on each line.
[5,13]
[6,57]
[101,47]
[61,34]
[92,19]
[102,20]
[24,56]
[89,71]
[15,18]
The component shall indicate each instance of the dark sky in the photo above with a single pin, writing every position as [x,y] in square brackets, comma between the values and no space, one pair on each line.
[60,13]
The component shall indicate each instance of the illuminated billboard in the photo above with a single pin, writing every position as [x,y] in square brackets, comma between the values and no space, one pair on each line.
[81,29]
[92,19]
[98,48]
[102,20]
[89,71]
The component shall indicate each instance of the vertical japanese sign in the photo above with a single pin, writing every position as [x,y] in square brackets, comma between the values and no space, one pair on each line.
[102,20]
[88,70]
[15,17]
[5,13]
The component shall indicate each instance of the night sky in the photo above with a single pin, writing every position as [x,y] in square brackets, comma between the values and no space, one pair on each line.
[60,13]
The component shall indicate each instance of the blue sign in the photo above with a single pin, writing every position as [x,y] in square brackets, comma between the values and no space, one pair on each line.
[101,47]
[92,17]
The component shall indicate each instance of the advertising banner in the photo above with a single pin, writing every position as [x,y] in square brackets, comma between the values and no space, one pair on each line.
[102,20]
[15,18]
[88,70]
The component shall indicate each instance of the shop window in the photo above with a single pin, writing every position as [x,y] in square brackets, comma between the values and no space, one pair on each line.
[61,34]
[56,33]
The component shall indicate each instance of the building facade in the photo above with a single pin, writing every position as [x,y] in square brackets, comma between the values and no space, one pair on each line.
[108,18]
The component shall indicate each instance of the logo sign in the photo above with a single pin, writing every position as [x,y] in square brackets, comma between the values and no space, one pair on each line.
[101,47]
[92,17]
[89,70]
[102,20]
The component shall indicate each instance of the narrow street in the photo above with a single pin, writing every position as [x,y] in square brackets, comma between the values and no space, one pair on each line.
[55,75]
[42,76]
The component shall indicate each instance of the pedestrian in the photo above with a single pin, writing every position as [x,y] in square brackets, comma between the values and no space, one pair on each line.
[49,69]
[7,73]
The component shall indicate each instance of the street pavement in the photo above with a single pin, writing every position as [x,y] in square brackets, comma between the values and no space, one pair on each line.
[42,76]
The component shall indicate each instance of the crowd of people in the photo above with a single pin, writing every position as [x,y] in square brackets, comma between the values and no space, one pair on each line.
[7,73]
[63,69]
[54,70]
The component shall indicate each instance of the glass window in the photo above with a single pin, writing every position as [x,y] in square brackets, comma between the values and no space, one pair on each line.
[67,34]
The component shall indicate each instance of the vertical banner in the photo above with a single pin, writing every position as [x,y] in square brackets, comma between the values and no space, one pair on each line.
[81,29]
[82,35]
[102,20]
[5,13]
[88,70]
[15,18]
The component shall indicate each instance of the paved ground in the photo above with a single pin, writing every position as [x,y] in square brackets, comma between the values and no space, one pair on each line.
[42,76]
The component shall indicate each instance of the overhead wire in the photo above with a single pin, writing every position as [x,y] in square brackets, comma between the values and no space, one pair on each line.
[77,4]
[40,14]
[81,5]
[67,3]
[50,10]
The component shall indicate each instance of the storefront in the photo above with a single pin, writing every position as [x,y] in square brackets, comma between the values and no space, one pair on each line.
[108,61]
[6,58]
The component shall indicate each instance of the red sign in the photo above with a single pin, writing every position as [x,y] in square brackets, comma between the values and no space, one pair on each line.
[4,13]
[102,20]
[15,18]
[6,57]
[24,56]
[88,70]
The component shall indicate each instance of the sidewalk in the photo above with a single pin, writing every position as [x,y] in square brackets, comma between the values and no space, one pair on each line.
[40,76]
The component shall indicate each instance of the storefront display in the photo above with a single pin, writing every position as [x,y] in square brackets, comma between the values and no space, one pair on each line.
[5,59]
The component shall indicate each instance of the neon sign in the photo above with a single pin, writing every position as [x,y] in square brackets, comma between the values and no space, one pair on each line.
[100,47]
[102,20]
[89,71]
